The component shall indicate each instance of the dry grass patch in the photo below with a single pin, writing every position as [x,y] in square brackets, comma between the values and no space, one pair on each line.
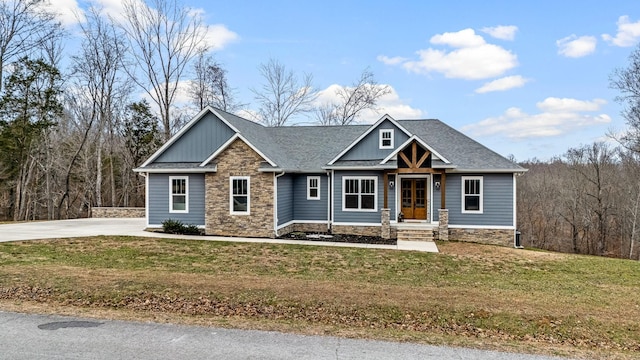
[470,295]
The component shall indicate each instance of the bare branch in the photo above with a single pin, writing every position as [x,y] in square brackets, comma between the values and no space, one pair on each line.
[283,95]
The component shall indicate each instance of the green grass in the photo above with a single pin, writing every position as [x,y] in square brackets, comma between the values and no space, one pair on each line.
[469,294]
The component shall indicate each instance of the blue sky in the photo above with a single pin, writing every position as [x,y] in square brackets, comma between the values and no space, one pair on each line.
[528,78]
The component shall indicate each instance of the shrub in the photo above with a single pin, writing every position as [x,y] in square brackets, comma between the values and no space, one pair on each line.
[170,226]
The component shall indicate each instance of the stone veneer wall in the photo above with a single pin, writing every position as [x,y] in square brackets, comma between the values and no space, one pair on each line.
[118,212]
[484,236]
[304,227]
[239,160]
[357,230]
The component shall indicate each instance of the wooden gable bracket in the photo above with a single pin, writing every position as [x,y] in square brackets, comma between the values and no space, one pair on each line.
[415,163]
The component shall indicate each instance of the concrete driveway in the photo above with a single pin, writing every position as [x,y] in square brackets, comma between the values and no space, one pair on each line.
[135,227]
[71,228]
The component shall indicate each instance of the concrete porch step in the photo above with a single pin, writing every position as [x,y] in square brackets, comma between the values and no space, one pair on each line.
[415,234]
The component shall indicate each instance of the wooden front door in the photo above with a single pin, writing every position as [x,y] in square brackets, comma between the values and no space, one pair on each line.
[414,198]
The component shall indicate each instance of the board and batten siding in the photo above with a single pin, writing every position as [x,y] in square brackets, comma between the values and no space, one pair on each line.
[159,200]
[361,216]
[497,201]
[285,199]
[369,147]
[310,210]
[198,142]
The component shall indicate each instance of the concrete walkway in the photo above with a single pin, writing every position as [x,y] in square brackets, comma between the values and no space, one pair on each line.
[135,227]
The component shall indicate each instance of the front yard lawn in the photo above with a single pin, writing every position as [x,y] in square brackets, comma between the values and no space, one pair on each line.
[468,295]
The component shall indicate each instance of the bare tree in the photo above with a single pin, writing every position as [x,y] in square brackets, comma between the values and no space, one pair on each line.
[100,72]
[283,94]
[24,27]
[627,81]
[210,86]
[353,100]
[163,37]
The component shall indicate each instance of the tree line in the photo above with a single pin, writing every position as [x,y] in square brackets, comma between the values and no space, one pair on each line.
[70,137]
[587,201]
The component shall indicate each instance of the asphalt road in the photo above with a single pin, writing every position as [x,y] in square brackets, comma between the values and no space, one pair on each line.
[35,337]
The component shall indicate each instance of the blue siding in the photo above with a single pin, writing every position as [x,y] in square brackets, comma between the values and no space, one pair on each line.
[435,198]
[199,142]
[361,216]
[159,199]
[497,201]
[285,199]
[309,209]
[391,197]
[368,148]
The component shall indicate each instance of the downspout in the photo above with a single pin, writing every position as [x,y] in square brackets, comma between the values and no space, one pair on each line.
[146,197]
[330,207]
[275,202]
[328,201]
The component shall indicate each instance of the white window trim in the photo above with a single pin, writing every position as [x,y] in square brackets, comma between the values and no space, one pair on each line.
[383,131]
[186,194]
[317,187]
[360,178]
[248,212]
[464,178]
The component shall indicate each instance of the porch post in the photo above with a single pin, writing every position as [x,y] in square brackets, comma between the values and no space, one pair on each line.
[443,224]
[386,227]
[443,189]
[386,185]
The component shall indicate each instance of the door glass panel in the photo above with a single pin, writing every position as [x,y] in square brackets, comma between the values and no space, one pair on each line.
[420,193]
[406,193]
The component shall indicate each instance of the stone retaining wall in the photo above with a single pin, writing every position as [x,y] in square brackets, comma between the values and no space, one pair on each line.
[118,212]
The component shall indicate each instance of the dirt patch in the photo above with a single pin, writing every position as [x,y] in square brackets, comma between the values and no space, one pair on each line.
[341,238]
[491,252]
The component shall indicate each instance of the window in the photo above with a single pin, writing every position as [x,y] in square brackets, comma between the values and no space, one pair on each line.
[313,187]
[386,139]
[472,194]
[359,194]
[178,194]
[239,197]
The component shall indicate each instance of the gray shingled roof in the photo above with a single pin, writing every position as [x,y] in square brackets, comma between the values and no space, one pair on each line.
[310,148]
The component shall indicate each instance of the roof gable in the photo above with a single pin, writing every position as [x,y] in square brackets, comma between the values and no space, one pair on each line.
[193,143]
[370,136]
[419,141]
[224,146]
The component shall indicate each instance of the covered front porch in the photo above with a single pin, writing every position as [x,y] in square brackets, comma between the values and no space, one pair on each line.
[418,185]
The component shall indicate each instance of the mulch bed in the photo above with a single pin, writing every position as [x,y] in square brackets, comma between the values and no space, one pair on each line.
[342,238]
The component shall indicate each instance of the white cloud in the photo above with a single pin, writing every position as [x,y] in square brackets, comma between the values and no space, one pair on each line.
[390,103]
[471,59]
[218,36]
[502,84]
[66,11]
[573,46]
[561,105]
[461,39]
[558,117]
[628,33]
[502,32]
[391,60]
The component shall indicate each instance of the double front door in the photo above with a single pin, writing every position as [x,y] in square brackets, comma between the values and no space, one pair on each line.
[414,198]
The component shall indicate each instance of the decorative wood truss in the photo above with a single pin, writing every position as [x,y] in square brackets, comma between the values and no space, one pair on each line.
[415,160]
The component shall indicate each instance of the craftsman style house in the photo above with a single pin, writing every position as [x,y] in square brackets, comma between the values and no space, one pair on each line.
[395,178]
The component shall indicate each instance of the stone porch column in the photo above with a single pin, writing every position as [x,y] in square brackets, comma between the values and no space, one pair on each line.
[386,227]
[443,224]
